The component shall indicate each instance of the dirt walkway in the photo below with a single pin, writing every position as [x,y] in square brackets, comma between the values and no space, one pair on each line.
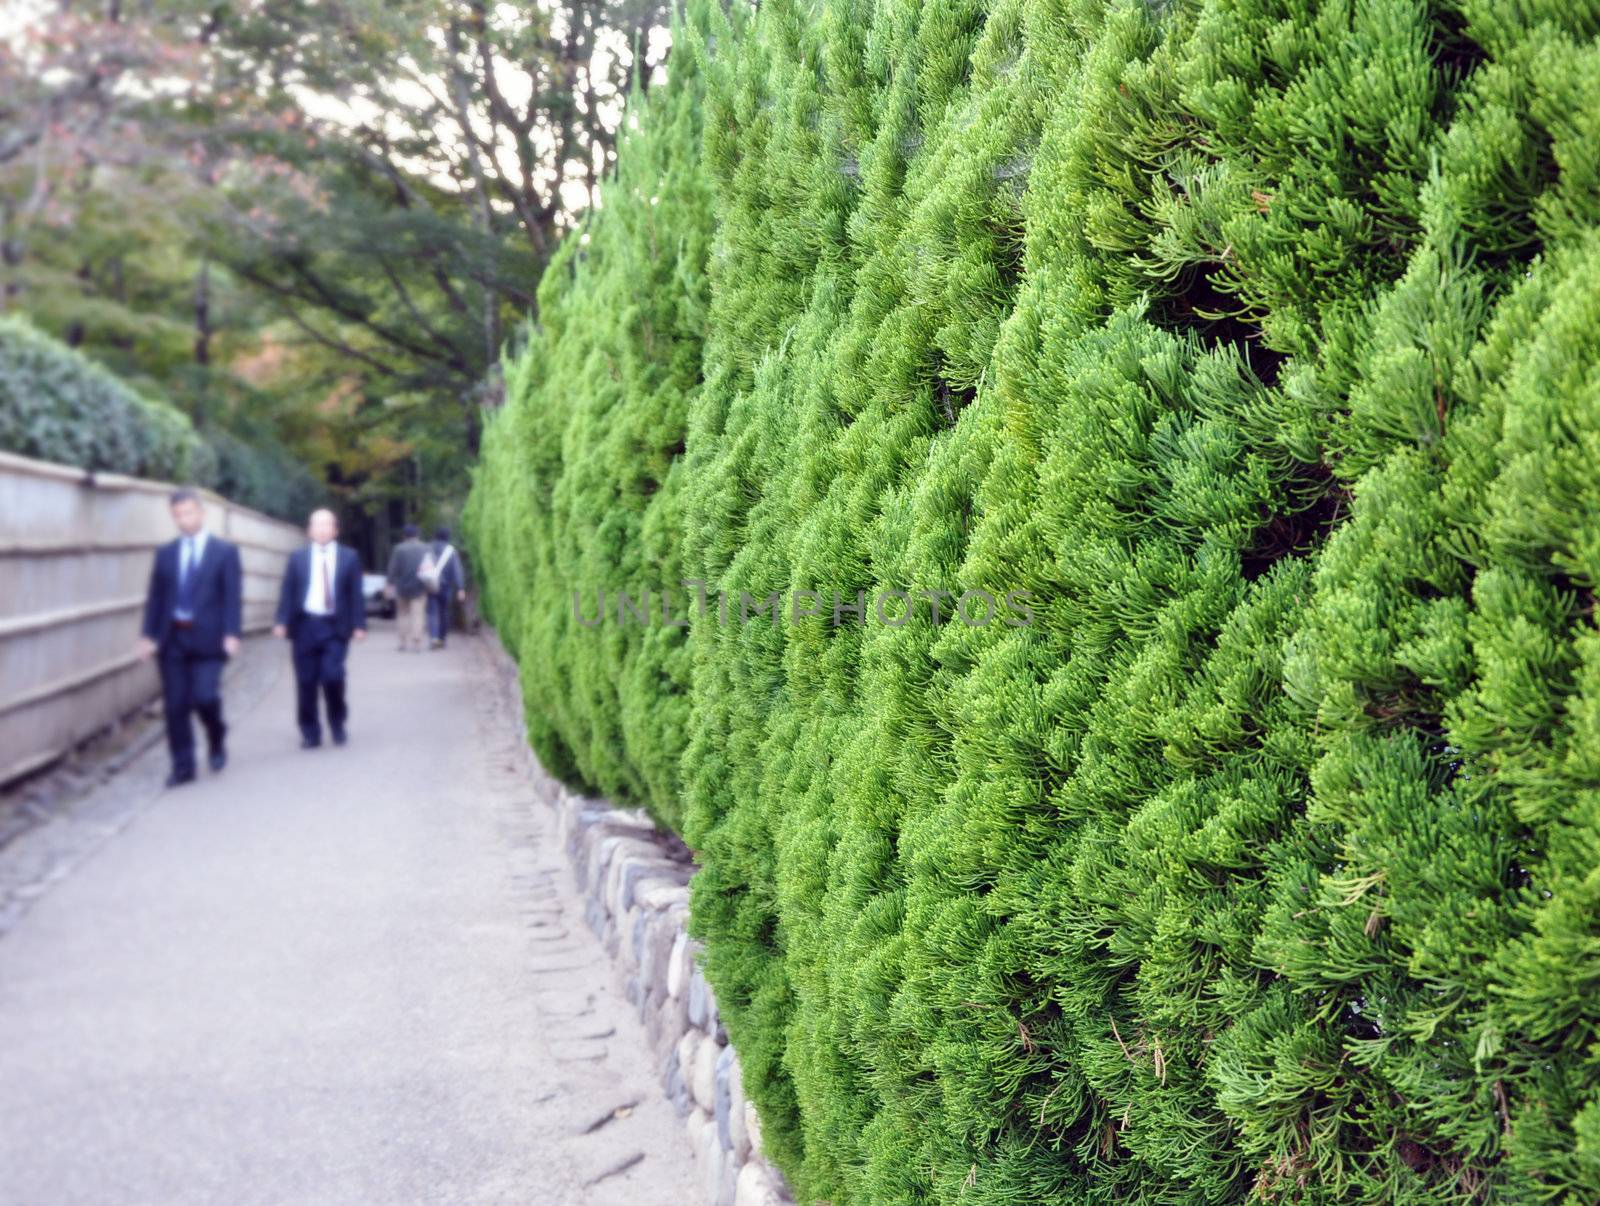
[353,975]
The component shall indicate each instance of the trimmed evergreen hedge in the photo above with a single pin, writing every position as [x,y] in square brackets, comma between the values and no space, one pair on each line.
[580,488]
[1257,340]
[59,405]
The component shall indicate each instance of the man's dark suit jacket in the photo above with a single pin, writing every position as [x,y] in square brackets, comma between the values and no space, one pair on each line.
[218,603]
[349,601]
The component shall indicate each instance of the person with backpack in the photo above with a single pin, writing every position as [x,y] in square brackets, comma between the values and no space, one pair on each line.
[444,578]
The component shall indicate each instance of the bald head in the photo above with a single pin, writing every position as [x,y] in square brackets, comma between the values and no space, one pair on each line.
[323,525]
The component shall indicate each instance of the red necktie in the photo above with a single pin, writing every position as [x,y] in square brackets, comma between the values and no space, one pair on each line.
[327,584]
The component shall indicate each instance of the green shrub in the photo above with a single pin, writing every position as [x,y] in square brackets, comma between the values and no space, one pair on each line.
[1258,340]
[260,472]
[58,405]
[580,483]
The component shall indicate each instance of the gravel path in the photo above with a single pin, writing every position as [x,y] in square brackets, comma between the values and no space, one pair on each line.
[353,975]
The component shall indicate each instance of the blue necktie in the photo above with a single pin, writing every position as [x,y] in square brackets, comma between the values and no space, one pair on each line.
[186,579]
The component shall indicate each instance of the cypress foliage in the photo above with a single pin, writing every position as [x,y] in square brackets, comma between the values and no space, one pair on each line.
[578,493]
[1255,340]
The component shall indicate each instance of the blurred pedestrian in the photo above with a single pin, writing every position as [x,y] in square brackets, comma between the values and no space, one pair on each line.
[405,585]
[321,609]
[192,614]
[446,581]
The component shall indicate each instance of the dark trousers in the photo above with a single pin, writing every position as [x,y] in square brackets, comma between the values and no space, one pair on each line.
[319,653]
[439,616]
[190,683]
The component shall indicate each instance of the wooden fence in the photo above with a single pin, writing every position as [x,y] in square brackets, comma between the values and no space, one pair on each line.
[75,550]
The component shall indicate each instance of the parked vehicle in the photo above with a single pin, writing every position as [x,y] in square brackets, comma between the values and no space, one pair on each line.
[379,601]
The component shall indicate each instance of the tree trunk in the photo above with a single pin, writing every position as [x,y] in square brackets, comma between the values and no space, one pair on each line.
[10,256]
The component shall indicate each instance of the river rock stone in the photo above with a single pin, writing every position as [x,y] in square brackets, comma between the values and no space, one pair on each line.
[727,1074]
[655,953]
[752,1126]
[678,964]
[676,1087]
[666,1021]
[731,1105]
[699,999]
[663,895]
[703,1083]
[642,872]
[757,1187]
[699,1125]
[708,1152]
[607,858]
[604,852]
[686,1050]
[703,1005]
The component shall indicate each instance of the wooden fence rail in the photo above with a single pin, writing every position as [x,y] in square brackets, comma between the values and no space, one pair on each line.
[75,552]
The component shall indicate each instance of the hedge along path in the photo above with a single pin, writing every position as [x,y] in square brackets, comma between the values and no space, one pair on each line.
[1258,341]
[58,404]
[577,494]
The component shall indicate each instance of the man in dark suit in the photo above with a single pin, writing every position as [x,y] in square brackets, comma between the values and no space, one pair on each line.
[321,609]
[192,617]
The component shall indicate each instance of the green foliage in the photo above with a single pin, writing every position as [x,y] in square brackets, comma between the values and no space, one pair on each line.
[1257,339]
[580,483]
[261,473]
[309,222]
[59,405]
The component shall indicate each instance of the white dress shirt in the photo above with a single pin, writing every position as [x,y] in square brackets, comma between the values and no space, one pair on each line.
[191,552]
[316,602]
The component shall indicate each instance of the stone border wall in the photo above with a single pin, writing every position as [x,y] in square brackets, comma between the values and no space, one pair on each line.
[634,879]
